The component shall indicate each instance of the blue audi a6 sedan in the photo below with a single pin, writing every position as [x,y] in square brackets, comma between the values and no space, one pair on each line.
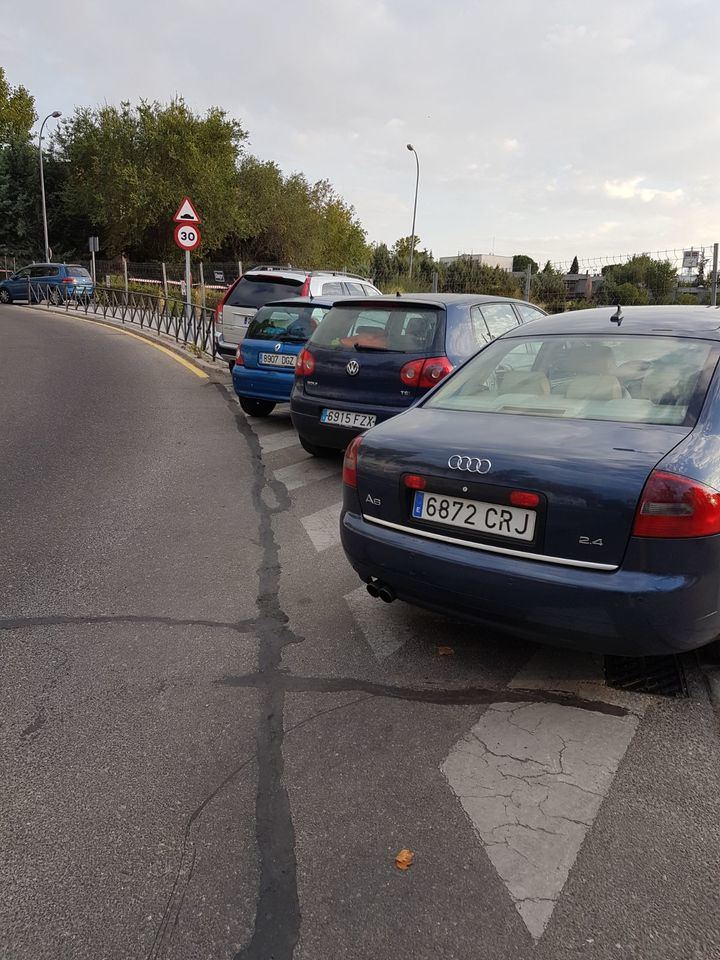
[264,370]
[563,484]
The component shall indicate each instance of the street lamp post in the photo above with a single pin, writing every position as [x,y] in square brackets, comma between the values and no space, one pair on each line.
[56,114]
[412,149]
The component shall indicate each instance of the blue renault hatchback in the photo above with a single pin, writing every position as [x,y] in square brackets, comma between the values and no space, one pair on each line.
[265,359]
[563,484]
[55,282]
[370,360]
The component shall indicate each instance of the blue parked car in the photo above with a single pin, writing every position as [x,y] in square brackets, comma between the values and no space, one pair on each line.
[563,485]
[371,360]
[55,282]
[265,359]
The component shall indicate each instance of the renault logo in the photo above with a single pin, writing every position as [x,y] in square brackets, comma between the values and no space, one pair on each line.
[278,347]
[353,368]
[469,464]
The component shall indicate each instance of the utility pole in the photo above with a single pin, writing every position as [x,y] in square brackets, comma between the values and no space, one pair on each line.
[713,295]
[412,149]
[55,114]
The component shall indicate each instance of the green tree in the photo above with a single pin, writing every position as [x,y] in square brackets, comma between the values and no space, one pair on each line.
[521,262]
[547,289]
[17,111]
[20,216]
[128,168]
[574,266]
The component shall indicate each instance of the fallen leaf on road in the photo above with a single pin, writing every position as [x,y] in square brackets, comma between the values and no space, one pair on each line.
[404,859]
[445,652]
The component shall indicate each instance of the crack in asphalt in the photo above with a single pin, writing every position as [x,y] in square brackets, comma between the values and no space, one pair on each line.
[19,623]
[447,696]
[277,913]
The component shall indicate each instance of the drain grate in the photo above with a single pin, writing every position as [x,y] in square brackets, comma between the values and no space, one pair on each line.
[662,676]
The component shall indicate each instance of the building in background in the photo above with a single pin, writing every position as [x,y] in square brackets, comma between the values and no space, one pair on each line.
[486,259]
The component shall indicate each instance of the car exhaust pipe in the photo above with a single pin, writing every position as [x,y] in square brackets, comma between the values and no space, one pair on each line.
[386,593]
[376,588]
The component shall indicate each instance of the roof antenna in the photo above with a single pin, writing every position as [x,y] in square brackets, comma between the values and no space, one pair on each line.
[617,317]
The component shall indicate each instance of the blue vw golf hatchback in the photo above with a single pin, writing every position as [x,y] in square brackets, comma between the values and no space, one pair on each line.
[265,359]
[563,484]
[370,360]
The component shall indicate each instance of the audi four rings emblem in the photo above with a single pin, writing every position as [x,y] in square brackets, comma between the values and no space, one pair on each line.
[469,464]
[278,347]
[353,368]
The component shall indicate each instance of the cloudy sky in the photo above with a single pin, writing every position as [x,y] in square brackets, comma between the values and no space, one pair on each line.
[552,128]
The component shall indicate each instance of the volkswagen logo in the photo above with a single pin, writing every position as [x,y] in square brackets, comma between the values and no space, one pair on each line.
[353,368]
[469,464]
[278,347]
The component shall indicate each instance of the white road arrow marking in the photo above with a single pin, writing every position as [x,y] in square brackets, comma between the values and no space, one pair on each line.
[532,777]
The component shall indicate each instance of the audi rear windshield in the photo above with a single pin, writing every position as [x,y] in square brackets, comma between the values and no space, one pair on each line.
[390,329]
[644,379]
[285,324]
[257,291]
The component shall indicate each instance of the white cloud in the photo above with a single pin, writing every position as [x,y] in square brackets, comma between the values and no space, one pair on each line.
[631,189]
[535,138]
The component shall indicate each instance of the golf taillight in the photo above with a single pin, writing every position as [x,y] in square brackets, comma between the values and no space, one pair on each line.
[305,289]
[239,362]
[426,372]
[674,506]
[305,366]
[349,473]
[68,280]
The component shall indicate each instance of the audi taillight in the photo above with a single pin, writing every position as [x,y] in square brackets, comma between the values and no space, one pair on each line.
[305,366]
[673,506]
[425,373]
[349,473]
[413,481]
[524,498]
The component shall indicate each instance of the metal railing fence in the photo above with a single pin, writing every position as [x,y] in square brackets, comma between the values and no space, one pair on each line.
[191,325]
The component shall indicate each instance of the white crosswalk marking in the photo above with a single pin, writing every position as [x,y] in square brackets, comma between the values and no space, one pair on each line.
[306,471]
[383,625]
[278,440]
[323,527]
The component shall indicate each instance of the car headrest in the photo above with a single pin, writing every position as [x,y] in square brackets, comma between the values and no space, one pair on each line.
[594,387]
[593,359]
[525,381]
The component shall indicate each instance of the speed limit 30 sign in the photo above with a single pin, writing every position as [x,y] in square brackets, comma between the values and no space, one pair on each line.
[187,236]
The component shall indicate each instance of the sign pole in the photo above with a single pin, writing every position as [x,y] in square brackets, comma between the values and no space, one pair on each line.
[188,285]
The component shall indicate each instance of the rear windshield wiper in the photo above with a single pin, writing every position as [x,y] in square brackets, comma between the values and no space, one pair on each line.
[364,346]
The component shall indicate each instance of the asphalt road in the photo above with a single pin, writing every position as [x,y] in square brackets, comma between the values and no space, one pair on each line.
[213,743]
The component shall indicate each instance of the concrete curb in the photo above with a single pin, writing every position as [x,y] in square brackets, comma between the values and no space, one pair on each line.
[207,366]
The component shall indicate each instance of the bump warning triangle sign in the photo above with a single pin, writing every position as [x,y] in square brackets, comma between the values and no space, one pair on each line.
[186,212]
